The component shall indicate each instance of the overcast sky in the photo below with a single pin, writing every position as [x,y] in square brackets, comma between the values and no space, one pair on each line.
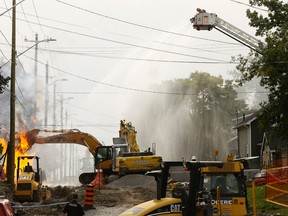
[109,50]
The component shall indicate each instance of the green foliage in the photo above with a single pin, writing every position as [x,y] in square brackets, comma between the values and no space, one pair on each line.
[262,205]
[272,66]
[211,103]
[209,93]
[194,115]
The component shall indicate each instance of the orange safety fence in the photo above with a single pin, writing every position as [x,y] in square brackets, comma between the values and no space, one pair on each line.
[277,186]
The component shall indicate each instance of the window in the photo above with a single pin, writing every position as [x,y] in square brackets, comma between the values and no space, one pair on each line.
[227,182]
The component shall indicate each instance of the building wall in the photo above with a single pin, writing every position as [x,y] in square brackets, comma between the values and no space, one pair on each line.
[243,141]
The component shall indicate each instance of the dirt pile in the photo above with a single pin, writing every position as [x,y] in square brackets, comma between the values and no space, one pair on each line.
[134,180]
[118,194]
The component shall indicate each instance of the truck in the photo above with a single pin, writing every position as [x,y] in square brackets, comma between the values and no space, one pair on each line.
[213,188]
[121,158]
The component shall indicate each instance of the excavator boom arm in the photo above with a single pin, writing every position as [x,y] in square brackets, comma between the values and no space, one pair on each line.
[63,137]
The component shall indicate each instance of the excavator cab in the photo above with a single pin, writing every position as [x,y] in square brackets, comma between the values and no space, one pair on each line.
[103,159]
[106,156]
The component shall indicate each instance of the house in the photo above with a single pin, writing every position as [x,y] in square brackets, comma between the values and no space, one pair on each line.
[249,138]
[251,141]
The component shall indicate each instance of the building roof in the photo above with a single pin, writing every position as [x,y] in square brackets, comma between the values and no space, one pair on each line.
[247,120]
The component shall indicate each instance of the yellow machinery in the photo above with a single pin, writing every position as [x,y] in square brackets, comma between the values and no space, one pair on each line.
[128,132]
[214,188]
[123,157]
[127,157]
[28,182]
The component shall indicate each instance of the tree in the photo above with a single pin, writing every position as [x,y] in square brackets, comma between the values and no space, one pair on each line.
[190,116]
[272,66]
[3,83]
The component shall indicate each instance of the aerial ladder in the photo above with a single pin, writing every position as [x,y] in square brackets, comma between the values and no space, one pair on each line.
[207,21]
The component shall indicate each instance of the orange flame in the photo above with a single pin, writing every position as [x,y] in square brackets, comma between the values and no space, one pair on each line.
[21,147]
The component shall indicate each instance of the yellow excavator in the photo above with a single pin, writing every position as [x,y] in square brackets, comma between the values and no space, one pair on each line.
[213,188]
[123,157]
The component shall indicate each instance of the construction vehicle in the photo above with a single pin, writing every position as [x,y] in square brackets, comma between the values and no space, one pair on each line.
[207,21]
[121,158]
[205,194]
[28,185]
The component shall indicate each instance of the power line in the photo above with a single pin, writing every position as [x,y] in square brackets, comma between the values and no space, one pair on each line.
[11,7]
[238,2]
[126,43]
[149,60]
[120,41]
[26,17]
[139,25]
[117,86]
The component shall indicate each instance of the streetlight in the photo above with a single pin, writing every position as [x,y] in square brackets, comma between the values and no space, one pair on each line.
[47,101]
[34,45]
[36,42]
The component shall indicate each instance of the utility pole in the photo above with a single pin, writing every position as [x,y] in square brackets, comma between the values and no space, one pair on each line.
[54,103]
[204,156]
[11,145]
[36,41]
[61,111]
[54,107]
[54,123]
[46,96]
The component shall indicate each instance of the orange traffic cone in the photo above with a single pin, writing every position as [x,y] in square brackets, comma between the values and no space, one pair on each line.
[89,197]
[98,182]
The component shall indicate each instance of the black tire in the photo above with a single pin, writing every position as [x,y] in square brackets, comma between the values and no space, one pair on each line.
[86,178]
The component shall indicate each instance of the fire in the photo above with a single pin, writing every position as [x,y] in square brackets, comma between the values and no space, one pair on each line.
[21,147]
[3,146]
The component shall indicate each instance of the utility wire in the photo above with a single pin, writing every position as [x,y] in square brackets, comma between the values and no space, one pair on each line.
[89,110]
[11,7]
[128,44]
[143,59]
[16,97]
[37,17]
[139,25]
[21,54]
[238,2]
[57,21]
[122,35]
[26,18]
[111,85]
[117,86]
[48,19]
